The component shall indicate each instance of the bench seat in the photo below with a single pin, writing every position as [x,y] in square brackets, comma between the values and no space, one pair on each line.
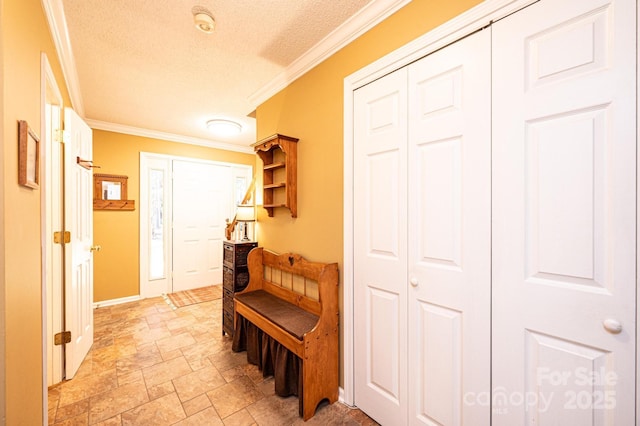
[294,320]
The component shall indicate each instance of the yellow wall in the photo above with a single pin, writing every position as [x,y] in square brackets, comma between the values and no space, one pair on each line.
[25,35]
[311,109]
[116,266]
[2,239]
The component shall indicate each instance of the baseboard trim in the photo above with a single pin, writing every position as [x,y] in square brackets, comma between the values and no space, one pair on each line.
[119,301]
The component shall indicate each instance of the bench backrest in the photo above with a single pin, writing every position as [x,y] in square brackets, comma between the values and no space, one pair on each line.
[313,286]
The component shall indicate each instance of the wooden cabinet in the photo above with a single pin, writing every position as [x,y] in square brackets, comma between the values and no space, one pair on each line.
[235,277]
[279,174]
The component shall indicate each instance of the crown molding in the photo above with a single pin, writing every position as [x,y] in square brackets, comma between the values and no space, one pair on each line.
[460,26]
[171,137]
[354,27]
[60,34]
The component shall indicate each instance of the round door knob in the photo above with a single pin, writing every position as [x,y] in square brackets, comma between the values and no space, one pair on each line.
[612,326]
[95,248]
[414,282]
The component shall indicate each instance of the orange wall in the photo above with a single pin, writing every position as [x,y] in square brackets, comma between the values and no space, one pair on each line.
[25,35]
[116,266]
[311,109]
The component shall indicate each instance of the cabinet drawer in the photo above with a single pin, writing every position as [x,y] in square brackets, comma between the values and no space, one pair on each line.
[227,256]
[227,319]
[227,299]
[227,278]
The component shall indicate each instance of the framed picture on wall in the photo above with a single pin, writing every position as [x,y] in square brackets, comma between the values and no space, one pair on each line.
[28,156]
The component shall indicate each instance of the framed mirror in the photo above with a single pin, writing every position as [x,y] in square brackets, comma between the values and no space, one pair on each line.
[111,190]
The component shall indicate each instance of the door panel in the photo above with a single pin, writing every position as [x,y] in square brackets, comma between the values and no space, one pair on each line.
[564,208]
[449,234]
[380,248]
[78,218]
[438,397]
[565,229]
[440,202]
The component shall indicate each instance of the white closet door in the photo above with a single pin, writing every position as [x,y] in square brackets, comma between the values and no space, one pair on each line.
[564,197]
[201,202]
[422,239]
[380,248]
[450,234]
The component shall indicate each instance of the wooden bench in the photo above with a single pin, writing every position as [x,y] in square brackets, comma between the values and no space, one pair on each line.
[295,302]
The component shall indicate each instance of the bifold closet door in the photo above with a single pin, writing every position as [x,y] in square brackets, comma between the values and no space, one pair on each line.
[450,234]
[380,248]
[564,214]
[422,239]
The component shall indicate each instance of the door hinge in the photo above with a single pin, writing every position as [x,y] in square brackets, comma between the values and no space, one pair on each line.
[62,338]
[57,136]
[60,237]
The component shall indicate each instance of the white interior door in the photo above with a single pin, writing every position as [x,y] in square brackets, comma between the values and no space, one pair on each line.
[380,248]
[201,203]
[450,234]
[564,214]
[78,217]
[52,190]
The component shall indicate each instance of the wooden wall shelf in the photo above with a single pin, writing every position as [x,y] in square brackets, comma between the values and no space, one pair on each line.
[279,157]
[110,192]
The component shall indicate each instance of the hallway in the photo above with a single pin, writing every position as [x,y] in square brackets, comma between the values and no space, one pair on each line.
[152,365]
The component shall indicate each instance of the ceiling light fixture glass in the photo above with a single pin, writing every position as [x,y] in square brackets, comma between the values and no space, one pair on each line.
[222,127]
[203,19]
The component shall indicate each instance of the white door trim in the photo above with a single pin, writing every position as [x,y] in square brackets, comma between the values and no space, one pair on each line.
[637,217]
[145,157]
[447,33]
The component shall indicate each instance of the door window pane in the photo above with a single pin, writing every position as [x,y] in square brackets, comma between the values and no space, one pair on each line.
[157,249]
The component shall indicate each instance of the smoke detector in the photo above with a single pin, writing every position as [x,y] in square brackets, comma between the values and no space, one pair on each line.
[203,19]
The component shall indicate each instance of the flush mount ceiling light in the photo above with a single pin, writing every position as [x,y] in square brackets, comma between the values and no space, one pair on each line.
[203,19]
[222,127]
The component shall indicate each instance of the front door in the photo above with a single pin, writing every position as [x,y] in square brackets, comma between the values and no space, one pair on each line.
[564,214]
[78,218]
[201,203]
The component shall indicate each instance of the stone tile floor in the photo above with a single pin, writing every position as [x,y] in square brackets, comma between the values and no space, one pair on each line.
[152,365]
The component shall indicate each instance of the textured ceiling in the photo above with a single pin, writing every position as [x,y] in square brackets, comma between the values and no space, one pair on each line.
[142,63]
